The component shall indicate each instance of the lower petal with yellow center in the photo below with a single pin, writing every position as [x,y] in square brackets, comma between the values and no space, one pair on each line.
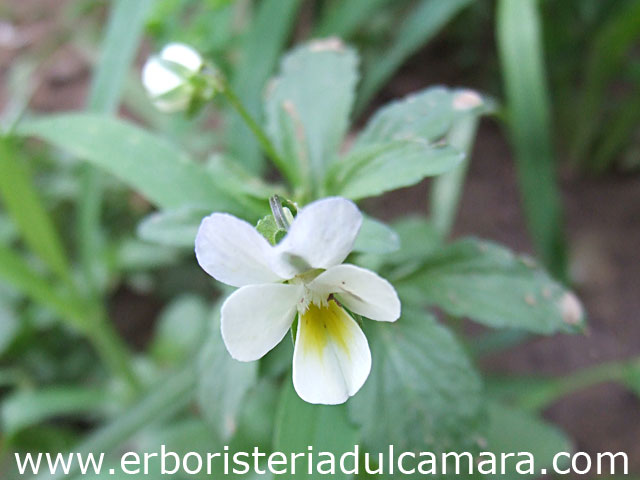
[331,360]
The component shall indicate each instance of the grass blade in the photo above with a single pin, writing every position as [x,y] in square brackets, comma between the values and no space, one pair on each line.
[22,202]
[617,133]
[422,24]
[447,188]
[123,33]
[606,58]
[266,39]
[520,49]
[343,18]
[121,40]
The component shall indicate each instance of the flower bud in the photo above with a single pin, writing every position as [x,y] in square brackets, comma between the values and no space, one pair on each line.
[170,78]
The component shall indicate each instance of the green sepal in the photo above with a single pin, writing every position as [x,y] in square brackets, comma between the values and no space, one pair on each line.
[294,329]
[268,228]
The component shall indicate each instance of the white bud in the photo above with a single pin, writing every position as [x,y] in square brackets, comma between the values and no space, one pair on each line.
[166,77]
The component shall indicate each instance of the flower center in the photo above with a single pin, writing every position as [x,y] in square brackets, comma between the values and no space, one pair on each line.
[311,297]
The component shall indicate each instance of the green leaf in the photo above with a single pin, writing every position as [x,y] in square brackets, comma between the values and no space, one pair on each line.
[423,394]
[9,326]
[376,169]
[22,202]
[132,255]
[165,399]
[17,273]
[418,239]
[376,237]
[180,329]
[223,384]
[151,165]
[308,106]
[491,285]
[632,378]
[426,115]
[447,188]
[406,141]
[239,179]
[521,54]
[266,37]
[421,24]
[24,409]
[512,430]
[325,428]
[174,228]
[269,229]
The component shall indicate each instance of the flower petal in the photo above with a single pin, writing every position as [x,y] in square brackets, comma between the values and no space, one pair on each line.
[361,291]
[182,55]
[233,252]
[331,359]
[158,79]
[256,318]
[321,236]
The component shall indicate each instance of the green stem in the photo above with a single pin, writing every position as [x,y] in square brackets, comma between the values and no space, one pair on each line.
[111,349]
[447,188]
[549,393]
[268,147]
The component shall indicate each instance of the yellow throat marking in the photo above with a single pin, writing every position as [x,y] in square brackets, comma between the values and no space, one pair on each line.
[322,324]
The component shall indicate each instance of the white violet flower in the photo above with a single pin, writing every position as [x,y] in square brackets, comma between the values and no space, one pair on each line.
[166,77]
[304,275]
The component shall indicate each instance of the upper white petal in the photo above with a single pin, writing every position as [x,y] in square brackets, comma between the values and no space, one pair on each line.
[328,369]
[233,252]
[361,291]
[256,318]
[182,55]
[321,236]
[158,79]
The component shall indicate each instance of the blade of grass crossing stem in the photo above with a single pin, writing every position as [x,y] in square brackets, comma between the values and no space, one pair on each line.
[447,188]
[22,202]
[265,41]
[16,272]
[608,53]
[123,33]
[520,49]
[420,26]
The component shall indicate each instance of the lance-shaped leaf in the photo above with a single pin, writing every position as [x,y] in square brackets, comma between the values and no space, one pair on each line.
[151,165]
[423,394]
[491,285]
[309,103]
